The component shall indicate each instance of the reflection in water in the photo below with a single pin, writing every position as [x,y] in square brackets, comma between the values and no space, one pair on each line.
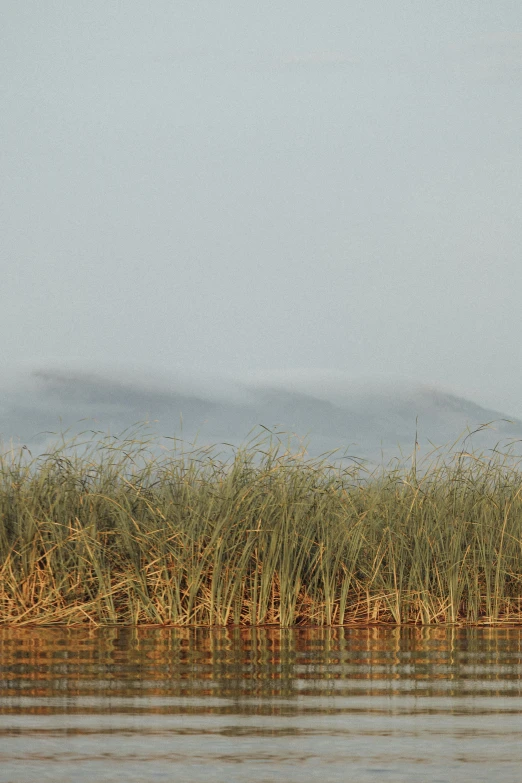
[410,704]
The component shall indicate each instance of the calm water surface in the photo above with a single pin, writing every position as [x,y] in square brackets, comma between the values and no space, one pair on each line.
[258,705]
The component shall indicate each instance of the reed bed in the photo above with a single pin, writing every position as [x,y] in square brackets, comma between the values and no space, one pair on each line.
[115,530]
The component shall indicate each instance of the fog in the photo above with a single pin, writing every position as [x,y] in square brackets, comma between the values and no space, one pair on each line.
[372,421]
[292,197]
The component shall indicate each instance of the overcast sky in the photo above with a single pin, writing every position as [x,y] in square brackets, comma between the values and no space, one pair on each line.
[251,187]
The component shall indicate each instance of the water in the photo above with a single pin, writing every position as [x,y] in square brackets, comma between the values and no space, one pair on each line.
[256,705]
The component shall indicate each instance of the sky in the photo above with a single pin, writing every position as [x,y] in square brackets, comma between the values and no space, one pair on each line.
[251,189]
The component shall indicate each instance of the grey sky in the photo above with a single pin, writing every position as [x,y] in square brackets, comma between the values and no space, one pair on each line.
[246,187]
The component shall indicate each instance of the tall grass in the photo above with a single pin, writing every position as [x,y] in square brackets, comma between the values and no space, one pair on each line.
[114,531]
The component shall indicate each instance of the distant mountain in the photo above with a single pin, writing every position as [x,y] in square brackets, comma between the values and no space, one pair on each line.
[368,422]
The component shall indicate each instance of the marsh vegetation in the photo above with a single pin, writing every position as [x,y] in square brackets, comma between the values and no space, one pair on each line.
[116,530]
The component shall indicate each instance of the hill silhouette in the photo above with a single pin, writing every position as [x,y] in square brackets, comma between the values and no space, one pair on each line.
[368,422]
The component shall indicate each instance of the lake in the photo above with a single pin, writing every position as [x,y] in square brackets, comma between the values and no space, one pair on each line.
[261,705]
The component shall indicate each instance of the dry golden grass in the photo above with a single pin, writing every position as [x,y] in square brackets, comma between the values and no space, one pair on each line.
[110,532]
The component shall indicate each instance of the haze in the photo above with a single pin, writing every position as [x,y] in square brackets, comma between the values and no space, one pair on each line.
[257,190]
